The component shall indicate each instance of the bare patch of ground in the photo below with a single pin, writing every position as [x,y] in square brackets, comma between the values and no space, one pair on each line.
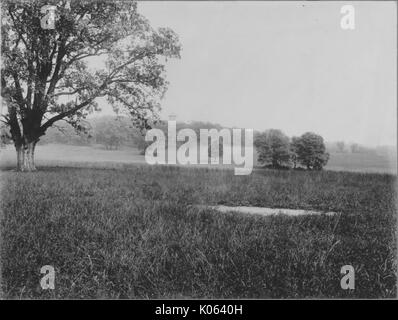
[265,211]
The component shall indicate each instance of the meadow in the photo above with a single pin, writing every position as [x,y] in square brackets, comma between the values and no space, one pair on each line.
[98,156]
[132,231]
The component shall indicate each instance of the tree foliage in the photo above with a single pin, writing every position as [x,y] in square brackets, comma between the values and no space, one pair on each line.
[5,136]
[111,133]
[310,151]
[96,49]
[63,133]
[273,148]
[276,150]
[294,151]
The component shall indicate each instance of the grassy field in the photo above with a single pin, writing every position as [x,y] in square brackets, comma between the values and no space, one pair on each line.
[132,233]
[68,155]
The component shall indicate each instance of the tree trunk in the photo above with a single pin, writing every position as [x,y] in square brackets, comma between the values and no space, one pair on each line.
[25,157]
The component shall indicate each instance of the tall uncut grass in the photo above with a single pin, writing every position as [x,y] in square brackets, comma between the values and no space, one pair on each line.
[133,233]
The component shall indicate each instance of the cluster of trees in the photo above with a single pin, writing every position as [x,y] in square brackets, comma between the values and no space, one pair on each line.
[276,150]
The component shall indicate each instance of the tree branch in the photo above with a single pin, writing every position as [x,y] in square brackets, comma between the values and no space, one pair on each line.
[62,115]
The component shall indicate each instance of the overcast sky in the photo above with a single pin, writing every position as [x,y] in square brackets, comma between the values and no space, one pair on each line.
[286,65]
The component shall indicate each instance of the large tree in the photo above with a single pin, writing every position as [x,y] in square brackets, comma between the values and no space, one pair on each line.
[310,151]
[94,49]
[273,148]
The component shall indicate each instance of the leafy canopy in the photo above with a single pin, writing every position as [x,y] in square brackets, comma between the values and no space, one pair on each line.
[96,49]
[310,151]
[273,147]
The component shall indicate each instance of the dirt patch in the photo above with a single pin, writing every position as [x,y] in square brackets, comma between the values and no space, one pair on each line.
[265,211]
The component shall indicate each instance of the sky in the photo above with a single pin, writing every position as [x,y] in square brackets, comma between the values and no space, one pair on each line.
[286,65]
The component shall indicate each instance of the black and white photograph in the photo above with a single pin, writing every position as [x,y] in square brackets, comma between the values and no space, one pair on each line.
[198,151]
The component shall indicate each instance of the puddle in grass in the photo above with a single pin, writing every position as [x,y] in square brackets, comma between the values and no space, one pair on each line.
[265,211]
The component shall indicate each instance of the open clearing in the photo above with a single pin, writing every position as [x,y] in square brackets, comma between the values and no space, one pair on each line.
[132,233]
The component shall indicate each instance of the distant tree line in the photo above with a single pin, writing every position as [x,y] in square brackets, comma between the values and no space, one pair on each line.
[109,132]
[194,125]
[274,148]
[342,147]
